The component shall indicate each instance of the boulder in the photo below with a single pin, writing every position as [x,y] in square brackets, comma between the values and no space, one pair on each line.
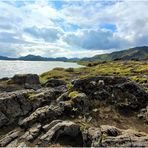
[81,102]
[54,83]
[30,79]
[74,103]
[66,133]
[13,105]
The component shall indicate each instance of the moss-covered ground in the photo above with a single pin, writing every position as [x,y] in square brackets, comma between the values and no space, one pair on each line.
[135,70]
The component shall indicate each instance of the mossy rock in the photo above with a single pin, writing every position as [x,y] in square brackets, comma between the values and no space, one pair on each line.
[31,96]
[69,86]
[73,94]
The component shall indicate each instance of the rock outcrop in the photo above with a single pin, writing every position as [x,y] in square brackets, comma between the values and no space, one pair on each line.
[66,132]
[31,79]
[41,114]
[123,138]
[19,82]
[56,116]
[127,96]
[13,105]
[17,104]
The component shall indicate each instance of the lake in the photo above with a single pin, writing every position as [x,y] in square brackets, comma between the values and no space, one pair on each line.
[10,68]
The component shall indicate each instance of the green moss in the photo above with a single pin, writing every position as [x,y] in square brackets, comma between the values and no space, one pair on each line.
[73,94]
[138,79]
[56,73]
[31,96]
[116,68]
[69,86]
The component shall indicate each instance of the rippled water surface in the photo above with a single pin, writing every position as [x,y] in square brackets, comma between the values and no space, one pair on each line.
[10,68]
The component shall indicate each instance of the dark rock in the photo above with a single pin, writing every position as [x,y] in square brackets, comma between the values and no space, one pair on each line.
[67,107]
[65,132]
[3,119]
[74,103]
[44,96]
[34,87]
[63,97]
[127,96]
[90,82]
[9,88]
[41,114]
[54,83]
[81,102]
[13,105]
[31,79]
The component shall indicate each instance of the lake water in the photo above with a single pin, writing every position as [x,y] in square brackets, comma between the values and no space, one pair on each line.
[10,68]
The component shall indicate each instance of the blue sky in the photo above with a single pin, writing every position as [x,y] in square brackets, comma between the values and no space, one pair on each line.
[71,28]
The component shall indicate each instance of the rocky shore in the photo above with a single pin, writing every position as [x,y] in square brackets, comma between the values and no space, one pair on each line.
[99,111]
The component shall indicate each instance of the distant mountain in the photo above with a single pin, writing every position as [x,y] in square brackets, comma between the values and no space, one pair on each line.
[137,53]
[3,58]
[39,58]
[7,58]
[32,58]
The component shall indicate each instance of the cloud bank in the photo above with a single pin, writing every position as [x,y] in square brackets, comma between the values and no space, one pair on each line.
[71,28]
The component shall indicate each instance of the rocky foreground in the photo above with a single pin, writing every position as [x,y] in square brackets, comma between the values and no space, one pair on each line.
[91,112]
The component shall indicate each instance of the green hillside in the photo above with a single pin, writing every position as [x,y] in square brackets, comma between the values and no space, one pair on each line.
[137,53]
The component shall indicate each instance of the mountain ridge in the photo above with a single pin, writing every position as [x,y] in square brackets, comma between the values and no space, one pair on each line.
[136,53]
[38,58]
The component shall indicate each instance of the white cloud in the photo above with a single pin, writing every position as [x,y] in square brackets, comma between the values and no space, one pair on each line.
[48,50]
[47,34]
[75,29]
[94,39]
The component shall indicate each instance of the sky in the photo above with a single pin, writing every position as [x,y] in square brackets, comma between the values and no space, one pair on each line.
[71,28]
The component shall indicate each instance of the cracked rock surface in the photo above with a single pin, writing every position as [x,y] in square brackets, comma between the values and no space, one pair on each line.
[98,111]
